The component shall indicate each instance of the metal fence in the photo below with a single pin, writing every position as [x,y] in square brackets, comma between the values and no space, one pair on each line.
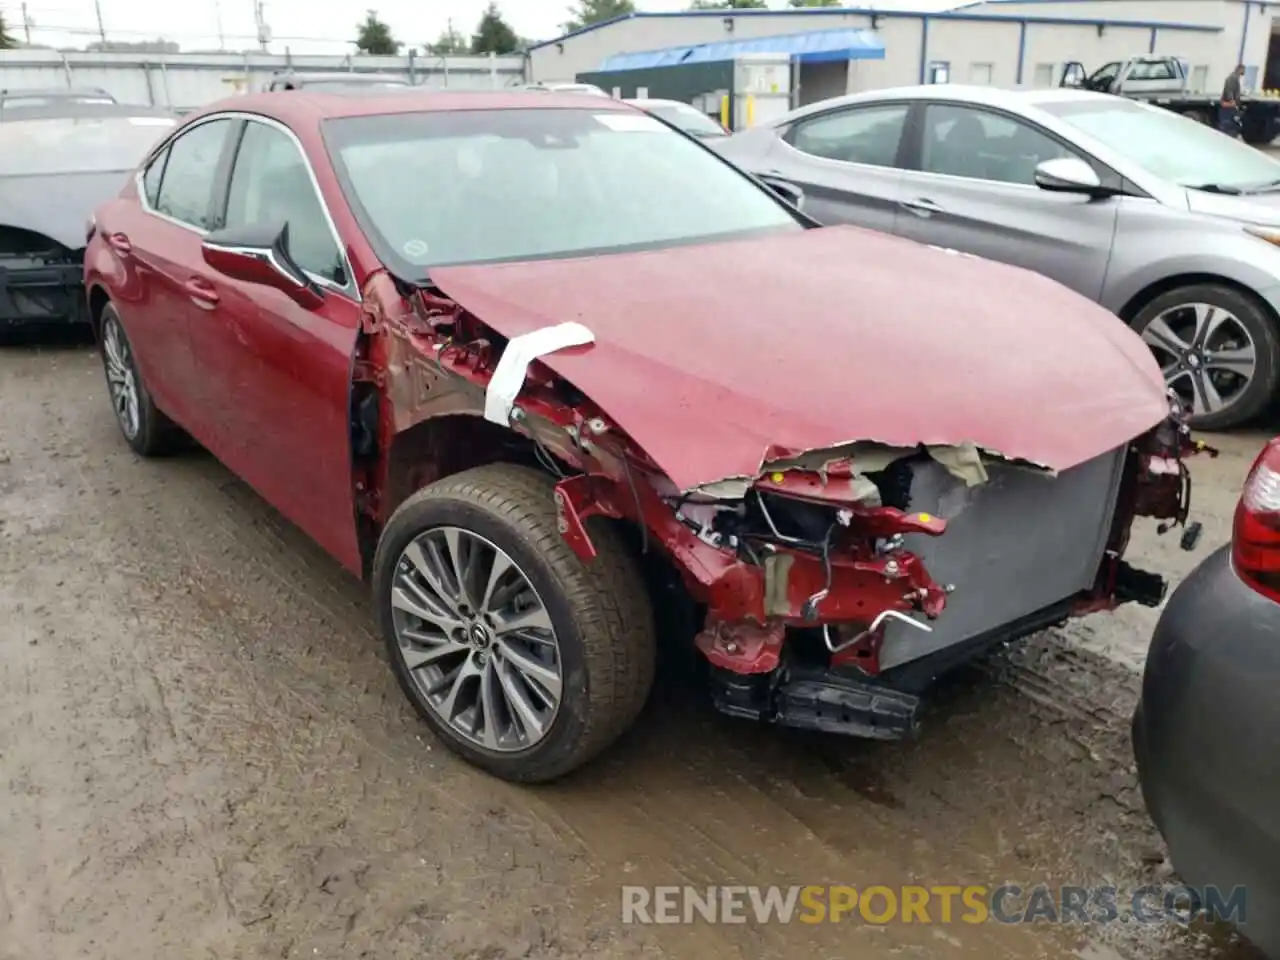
[187,80]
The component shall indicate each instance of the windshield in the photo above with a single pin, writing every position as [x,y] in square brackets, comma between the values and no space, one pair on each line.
[688,119]
[483,185]
[78,144]
[1169,146]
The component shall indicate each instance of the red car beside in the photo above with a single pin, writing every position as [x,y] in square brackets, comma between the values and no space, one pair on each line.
[555,377]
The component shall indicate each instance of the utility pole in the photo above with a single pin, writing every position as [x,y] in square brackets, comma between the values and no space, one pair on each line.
[102,31]
[26,23]
[217,13]
[260,18]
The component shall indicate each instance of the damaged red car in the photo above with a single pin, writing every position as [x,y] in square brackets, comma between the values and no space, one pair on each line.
[556,380]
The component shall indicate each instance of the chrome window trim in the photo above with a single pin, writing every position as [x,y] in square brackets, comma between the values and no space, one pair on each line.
[349,289]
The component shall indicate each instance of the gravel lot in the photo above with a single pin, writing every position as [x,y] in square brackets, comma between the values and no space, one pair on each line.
[204,755]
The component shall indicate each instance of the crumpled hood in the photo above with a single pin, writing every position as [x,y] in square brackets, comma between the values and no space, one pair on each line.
[717,357]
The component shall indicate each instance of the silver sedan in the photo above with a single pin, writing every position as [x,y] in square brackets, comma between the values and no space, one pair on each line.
[1166,222]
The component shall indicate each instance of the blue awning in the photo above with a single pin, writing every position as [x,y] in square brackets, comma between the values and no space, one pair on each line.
[817,46]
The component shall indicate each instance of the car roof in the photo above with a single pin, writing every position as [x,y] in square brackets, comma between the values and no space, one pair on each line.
[1017,100]
[71,110]
[644,102]
[305,106]
[330,77]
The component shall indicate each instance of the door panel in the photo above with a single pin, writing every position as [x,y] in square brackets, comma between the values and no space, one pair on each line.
[845,163]
[159,238]
[277,376]
[975,192]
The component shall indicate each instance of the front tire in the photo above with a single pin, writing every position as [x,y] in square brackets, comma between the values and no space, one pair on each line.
[524,660]
[148,431]
[1218,348]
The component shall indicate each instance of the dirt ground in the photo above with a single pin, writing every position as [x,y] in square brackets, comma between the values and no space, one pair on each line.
[203,754]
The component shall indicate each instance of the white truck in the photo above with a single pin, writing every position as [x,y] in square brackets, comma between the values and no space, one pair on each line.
[1166,82]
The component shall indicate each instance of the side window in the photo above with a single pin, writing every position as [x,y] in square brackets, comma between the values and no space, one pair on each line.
[858,135]
[270,184]
[1152,70]
[973,143]
[151,179]
[186,190]
[1103,76]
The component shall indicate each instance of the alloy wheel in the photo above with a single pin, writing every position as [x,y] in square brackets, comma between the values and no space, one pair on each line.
[477,639]
[122,382]
[1205,353]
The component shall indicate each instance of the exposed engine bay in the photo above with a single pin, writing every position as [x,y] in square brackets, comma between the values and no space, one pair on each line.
[836,584]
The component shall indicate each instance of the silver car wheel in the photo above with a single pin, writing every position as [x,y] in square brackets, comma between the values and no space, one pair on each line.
[1205,353]
[477,639]
[121,380]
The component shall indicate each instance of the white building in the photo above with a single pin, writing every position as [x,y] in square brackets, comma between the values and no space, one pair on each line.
[1001,42]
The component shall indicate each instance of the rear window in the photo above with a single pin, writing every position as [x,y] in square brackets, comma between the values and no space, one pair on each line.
[78,144]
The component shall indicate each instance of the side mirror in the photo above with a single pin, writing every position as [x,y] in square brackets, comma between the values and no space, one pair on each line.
[259,253]
[785,191]
[1068,175]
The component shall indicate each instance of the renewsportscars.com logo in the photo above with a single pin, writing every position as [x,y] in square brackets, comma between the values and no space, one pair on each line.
[971,903]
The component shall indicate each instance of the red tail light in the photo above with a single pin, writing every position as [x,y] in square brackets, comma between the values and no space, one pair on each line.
[1255,538]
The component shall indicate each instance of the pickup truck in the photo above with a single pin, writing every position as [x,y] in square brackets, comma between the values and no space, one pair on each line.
[1165,82]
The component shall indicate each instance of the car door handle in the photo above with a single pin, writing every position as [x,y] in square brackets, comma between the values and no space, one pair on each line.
[921,206]
[120,243]
[202,293]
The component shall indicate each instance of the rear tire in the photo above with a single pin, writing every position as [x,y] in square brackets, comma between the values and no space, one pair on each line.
[600,617]
[148,431]
[1237,321]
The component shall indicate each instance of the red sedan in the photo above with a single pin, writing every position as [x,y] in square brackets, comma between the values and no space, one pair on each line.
[556,378]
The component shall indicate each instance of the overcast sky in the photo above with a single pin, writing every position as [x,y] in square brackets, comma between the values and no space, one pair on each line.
[305,26]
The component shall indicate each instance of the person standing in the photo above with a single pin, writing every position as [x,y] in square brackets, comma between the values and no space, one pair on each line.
[1229,108]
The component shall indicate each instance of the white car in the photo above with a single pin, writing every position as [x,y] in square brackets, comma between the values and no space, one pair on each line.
[590,88]
[682,116]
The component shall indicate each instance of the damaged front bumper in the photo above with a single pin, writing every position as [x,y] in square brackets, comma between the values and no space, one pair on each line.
[833,585]
[836,615]
[40,293]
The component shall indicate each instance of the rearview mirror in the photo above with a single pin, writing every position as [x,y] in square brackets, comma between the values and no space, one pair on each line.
[259,253]
[1068,175]
[785,190]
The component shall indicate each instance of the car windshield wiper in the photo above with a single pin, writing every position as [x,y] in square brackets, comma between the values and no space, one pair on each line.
[1217,188]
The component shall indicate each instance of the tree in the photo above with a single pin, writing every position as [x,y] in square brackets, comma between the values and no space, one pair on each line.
[494,35]
[451,42]
[729,5]
[816,3]
[6,42]
[588,12]
[373,36]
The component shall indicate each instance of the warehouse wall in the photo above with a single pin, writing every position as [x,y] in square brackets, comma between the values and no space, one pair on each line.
[186,80]
[587,50]
[1205,12]
[981,43]
[1245,34]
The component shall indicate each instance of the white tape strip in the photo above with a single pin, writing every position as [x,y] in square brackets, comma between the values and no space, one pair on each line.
[508,378]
